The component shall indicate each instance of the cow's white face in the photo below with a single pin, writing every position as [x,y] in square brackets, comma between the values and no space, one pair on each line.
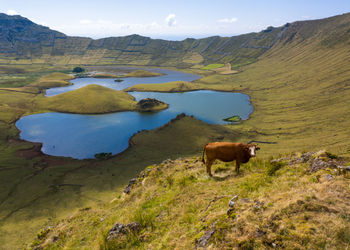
[252,151]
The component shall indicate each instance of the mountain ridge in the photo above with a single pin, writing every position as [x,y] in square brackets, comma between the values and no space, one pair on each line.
[23,41]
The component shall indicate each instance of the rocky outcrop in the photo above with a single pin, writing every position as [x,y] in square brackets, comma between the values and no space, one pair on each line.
[120,230]
[316,160]
[150,104]
[128,188]
[204,240]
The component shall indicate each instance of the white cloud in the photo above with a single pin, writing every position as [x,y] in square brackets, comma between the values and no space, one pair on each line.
[228,20]
[125,26]
[104,22]
[305,17]
[99,28]
[12,12]
[171,20]
[154,25]
[85,21]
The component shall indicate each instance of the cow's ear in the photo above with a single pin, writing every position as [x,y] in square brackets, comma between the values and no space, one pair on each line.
[257,148]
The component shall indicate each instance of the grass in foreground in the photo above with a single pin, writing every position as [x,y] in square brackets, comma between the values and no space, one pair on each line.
[279,204]
[34,194]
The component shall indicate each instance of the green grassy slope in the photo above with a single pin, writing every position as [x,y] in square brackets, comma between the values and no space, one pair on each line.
[91,99]
[282,204]
[300,88]
[32,197]
[55,79]
[12,76]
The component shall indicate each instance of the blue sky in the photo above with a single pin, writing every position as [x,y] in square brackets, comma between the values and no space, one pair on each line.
[177,19]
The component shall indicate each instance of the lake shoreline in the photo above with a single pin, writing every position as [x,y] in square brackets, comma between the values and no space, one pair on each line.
[136,110]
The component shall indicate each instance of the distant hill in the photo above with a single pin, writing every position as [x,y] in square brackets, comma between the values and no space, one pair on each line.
[22,42]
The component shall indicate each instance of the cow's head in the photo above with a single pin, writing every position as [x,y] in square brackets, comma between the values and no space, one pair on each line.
[252,149]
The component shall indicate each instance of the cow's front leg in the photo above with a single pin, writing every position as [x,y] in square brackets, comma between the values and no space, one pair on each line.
[237,166]
[208,165]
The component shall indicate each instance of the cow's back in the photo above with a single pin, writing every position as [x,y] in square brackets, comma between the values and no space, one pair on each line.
[224,151]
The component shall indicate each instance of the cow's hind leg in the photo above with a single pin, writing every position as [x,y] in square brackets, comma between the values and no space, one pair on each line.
[208,165]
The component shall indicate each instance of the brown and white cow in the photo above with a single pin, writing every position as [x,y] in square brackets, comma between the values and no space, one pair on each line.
[228,151]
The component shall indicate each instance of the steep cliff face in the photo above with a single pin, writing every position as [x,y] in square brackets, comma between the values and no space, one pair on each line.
[21,37]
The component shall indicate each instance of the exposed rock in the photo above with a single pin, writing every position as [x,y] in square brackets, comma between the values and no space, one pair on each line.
[302,159]
[343,169]
[229,211]
[231,203]
[317,160]
[203,241]
[319,163]
[328,177]
[167,161]
[141,176]
[128,188]
[119,230]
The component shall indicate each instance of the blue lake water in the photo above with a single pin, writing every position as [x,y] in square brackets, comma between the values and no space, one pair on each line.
[82,136]
[169,76]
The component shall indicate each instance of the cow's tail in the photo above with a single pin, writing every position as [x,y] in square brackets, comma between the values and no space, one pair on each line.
[203,160]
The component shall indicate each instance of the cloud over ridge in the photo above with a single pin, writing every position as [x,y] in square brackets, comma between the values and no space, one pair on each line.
[228,20]
[171,20]
[12,12]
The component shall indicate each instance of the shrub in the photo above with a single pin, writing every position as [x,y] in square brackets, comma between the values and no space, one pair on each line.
[331,156]
[103,156]
[78,70]
[274,167]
